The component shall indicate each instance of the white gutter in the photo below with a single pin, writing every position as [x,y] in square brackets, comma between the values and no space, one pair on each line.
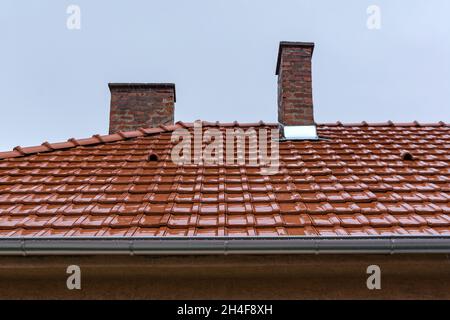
[223,245]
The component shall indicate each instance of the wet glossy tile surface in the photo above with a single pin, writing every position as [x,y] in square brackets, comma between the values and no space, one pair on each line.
[355,182]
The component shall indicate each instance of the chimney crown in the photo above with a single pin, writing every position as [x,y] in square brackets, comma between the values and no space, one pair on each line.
[295,104]
[137,105]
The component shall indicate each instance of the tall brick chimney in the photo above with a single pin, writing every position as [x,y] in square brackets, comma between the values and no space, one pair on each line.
[295,105]
[141,105]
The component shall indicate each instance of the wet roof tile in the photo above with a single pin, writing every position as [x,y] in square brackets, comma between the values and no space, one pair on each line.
[354,182]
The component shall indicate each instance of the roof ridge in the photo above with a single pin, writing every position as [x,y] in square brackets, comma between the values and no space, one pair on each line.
[96,139]
[388,123]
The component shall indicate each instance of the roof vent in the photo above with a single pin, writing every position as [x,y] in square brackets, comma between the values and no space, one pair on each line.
[407,156]
[300,132]
[153,157]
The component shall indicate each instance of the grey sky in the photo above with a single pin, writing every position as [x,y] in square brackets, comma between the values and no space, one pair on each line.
[221,54]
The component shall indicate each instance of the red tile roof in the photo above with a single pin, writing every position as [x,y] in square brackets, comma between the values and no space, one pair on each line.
[356,182]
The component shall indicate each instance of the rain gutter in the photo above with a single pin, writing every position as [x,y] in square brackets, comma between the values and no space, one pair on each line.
[223,245]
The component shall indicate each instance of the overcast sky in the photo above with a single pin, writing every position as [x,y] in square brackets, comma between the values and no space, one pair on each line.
[221,54]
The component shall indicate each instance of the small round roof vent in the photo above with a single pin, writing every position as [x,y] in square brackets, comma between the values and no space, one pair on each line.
[407,156]
[153,157]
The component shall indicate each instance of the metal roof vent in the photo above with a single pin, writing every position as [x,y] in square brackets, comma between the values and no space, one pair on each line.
[300,132]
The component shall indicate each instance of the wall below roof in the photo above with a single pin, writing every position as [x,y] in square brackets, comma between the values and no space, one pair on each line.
[227,277]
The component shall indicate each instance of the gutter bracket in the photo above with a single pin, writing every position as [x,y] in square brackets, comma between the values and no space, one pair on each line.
[225,247]
[22,247]
[131,247]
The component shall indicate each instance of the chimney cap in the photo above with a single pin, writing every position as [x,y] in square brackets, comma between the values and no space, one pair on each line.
[292,44]
[137,86]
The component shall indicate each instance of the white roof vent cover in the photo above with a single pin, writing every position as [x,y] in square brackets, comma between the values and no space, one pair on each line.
[300,132]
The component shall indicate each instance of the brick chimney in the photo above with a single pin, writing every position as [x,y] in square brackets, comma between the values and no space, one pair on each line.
[137,105]
[295,105]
